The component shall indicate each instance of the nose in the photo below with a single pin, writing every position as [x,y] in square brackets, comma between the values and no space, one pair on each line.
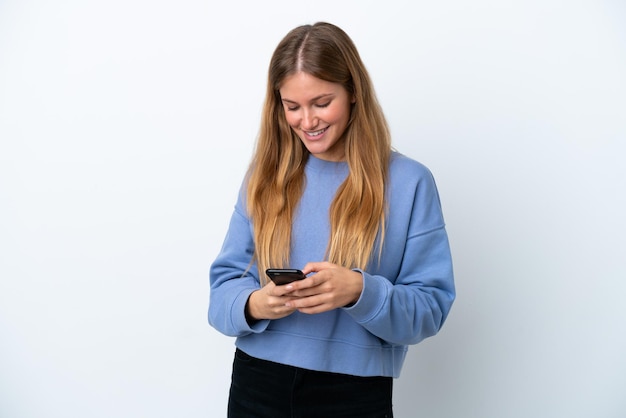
[309,120]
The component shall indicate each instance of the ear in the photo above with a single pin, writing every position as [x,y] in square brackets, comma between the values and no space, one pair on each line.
[351,92]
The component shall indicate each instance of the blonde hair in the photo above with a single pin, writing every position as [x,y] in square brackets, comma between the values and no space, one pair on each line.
[276,174]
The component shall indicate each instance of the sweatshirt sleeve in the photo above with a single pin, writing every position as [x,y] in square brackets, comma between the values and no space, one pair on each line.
[233,278]
[412,303]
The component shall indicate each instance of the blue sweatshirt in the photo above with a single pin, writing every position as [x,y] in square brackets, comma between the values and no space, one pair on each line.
[406,296]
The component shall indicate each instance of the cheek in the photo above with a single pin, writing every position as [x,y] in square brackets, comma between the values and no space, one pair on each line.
[292,119]
[338,114]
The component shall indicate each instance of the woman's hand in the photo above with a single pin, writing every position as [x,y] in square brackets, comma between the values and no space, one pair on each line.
[269,302]
[331,287]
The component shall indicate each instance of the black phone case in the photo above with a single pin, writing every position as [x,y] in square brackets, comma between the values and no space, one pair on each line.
[284,276]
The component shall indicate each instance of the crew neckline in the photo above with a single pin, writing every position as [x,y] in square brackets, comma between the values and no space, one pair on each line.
[319,165]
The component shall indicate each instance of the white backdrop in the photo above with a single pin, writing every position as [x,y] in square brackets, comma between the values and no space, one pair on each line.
[125,130]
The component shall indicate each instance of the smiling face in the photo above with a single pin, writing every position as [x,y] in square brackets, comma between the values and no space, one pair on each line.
[318,111]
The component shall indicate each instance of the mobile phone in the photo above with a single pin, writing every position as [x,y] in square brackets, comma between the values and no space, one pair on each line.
[284,276]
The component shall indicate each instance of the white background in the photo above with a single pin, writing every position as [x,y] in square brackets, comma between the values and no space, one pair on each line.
[125,130]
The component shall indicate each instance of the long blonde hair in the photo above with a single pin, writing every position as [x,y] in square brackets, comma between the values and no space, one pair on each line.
[276,174]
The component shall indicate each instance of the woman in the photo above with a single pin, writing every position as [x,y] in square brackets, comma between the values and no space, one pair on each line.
[325,193]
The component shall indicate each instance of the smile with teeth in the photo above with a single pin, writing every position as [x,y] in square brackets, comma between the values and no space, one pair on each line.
[316,133]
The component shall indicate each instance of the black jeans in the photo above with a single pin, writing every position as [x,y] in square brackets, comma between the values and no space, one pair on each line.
[266,389]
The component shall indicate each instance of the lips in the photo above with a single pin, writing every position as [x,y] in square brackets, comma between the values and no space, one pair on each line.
[315,134]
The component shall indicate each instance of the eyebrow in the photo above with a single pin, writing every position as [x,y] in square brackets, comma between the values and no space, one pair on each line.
[316,98]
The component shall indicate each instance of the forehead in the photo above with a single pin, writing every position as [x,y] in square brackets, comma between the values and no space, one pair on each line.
[303,86]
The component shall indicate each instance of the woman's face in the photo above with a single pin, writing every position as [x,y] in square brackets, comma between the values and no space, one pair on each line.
[318,111]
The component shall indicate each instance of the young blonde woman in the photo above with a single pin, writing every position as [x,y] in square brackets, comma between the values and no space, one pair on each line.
[326,194]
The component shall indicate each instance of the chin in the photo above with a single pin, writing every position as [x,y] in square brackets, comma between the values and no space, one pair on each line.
[317,150]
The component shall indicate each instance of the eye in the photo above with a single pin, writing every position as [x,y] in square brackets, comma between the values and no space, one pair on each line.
[323,105]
